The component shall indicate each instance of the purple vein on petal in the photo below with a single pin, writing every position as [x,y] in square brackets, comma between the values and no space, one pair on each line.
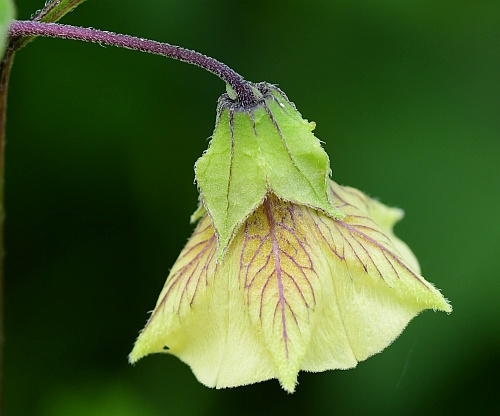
[184,275]
[353,192]
[355,230]
[314,215]
[294,316]
[304,275]
[291,278]
[254,278]
[356,254]
[301,245]
[279,281]
[254,256]
[278,271]
[355,237]
[382,249]
[263,291]
[390,261]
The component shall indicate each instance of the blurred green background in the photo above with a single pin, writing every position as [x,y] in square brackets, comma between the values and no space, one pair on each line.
[99,189]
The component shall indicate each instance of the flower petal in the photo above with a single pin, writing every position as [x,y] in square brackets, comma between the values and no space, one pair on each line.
[297,290]
[279,281]
[189,278]
[375,285]
[201,318]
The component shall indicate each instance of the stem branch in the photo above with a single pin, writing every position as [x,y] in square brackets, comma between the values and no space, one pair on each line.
[242,88]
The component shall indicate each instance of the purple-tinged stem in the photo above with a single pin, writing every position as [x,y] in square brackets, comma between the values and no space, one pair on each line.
[246,97]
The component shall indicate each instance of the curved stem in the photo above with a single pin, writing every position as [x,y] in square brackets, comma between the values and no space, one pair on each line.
[242,88]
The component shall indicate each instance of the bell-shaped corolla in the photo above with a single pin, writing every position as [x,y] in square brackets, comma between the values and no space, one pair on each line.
[287,278]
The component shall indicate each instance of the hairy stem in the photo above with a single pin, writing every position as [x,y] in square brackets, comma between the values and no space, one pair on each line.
[5,67]
[241,87]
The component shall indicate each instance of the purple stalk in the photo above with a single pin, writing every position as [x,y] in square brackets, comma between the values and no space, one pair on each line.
[246,97]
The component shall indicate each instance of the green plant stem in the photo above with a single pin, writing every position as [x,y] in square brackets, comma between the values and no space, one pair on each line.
[52,11]
[5,68]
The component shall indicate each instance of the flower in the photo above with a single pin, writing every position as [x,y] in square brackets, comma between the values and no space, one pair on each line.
[297,290]
[297,287]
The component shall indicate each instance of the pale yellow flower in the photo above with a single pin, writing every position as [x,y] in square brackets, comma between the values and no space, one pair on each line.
[296,290]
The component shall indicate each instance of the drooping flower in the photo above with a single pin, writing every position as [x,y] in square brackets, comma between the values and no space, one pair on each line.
[286,270]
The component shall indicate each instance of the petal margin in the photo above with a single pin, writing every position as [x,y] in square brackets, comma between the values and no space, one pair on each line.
[188,280]
[201,318]
[375,288]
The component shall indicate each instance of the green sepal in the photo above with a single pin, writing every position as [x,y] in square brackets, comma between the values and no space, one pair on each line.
[55,10]
[51,12]
[6,16]
[297,167]
[198,214]
[230,175]
[254,151]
